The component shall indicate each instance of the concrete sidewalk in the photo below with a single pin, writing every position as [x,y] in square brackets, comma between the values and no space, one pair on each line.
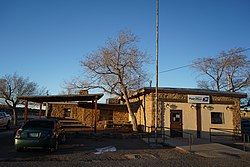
[201,147]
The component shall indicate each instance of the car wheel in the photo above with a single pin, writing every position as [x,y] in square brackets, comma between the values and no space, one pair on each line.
[54,147]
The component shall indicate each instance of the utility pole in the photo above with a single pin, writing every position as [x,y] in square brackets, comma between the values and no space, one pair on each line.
[156,82]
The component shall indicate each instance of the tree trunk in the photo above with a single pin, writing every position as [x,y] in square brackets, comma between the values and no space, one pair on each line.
[14,116]
[132,115]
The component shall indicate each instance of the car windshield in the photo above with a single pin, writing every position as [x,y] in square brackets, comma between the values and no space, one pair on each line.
[39,124]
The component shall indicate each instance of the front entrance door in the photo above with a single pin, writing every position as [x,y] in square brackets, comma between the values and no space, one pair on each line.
[176,123]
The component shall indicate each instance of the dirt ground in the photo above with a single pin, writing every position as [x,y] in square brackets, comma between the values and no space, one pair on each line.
[120,141]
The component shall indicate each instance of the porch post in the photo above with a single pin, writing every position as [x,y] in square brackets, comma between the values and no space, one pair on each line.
[25,111]
[198,120]
[47,109]
[95,112]
[40,111]
[92,116]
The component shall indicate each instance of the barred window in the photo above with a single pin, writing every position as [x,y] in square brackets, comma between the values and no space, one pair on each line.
[217,117]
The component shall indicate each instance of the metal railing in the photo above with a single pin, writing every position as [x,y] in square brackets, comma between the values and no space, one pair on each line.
[161,133]
[245,140]
[224,133]
[230,134]
[221,133]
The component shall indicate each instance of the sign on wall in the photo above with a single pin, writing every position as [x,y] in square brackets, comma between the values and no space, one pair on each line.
[198,99]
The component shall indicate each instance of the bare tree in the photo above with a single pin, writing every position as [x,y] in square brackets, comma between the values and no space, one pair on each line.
[116,69]
[12,86]
[228,71]
[237,70]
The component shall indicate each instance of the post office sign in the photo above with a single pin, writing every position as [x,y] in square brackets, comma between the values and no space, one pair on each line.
[198,99]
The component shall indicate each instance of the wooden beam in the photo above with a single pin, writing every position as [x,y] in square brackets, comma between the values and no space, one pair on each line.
[25,111]
[198,120]
[95,112]
[40,111]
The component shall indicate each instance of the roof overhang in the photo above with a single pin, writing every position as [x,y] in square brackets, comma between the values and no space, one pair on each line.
[61,98]
[122,107]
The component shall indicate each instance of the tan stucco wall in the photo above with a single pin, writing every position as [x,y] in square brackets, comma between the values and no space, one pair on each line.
[206,119]
[188,117]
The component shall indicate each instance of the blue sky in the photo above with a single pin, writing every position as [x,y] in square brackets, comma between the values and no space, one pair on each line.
[46,39]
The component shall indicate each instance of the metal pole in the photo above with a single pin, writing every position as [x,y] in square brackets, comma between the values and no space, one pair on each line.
[189,142]
[210,137]
[244,142]
[148,136]
[95,114]
[156,87]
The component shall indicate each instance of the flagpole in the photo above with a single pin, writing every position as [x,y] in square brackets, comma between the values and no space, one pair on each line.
[157,71]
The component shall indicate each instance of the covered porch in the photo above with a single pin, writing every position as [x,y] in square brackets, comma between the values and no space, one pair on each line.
[93,98]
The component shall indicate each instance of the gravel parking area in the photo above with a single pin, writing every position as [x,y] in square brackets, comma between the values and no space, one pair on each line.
[80,150]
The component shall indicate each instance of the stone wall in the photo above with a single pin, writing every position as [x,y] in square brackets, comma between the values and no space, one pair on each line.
[57,110]
[86,116]
[144,106]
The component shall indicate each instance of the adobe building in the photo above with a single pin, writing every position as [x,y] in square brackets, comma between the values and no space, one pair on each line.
[188,110]
[180,110]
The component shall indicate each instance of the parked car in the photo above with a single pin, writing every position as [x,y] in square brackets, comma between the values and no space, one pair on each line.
[39,133]
[5,120]
[9,116]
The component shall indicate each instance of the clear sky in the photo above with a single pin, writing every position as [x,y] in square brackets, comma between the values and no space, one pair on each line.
[46,39]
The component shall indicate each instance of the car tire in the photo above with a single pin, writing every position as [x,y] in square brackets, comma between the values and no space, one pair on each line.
[54,148]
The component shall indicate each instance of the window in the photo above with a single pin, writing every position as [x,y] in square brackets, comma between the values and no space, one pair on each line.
[67,112]
[106,115]
[176,117]
[39,124]
[217,118]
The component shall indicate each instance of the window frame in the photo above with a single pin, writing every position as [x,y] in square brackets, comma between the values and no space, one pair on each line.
[219,120]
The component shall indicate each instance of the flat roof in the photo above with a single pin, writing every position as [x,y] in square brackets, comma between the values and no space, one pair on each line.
[61,98]
[192,91]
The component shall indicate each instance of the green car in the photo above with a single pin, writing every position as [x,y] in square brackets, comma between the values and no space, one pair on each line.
[39,133]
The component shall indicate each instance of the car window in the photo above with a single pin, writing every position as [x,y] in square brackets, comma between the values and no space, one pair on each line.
[39,124]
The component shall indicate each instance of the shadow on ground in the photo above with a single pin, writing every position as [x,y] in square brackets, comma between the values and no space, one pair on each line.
[82,143]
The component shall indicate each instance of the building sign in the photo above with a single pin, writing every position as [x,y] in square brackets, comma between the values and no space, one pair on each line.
[198,99]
